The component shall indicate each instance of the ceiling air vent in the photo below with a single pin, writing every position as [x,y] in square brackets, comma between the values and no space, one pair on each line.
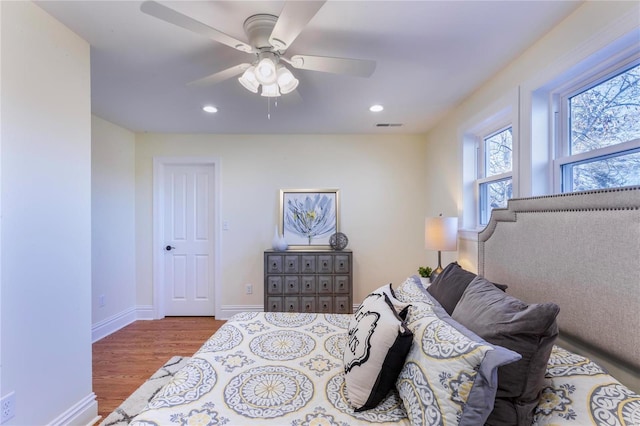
[389,125]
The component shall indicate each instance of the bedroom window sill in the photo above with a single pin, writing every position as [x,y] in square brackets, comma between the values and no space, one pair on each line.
[469,234]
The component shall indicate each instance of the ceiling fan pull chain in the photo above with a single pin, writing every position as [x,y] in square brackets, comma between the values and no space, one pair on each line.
[268,108]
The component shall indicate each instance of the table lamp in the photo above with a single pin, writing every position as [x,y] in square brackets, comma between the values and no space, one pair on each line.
[441,234]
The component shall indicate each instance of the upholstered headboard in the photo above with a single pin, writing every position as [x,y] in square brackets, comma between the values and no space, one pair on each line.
[581,251]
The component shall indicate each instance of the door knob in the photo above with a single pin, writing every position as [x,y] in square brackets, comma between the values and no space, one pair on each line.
[169,248]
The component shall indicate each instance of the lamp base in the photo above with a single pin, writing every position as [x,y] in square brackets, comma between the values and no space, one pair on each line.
[439,269]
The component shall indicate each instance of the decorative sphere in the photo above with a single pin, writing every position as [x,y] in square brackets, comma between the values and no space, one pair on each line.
[338,241]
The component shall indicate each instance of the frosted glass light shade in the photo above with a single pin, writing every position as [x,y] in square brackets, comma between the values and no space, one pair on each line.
[249,81]
[270,90]
[266,71]
[441,233]
[286,80]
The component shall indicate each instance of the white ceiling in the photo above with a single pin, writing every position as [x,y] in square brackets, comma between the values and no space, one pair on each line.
[430,55]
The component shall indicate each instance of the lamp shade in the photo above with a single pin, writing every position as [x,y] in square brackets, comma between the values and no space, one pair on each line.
[249,81]
[441,233]
[266,71]
[286,80]
[270,90]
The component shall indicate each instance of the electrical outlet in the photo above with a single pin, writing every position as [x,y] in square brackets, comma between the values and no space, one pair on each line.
[101,300]
[249,288]
[7,407]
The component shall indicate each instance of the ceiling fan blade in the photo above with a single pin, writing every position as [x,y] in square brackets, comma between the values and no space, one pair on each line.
[356,67]
[172,16]
[220,76]
[294,17]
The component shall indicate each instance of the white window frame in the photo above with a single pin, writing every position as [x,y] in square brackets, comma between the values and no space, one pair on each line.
[560,104]
[501,114]
[481,167]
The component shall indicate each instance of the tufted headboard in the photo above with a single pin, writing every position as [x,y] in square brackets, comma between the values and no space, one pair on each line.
[581,251]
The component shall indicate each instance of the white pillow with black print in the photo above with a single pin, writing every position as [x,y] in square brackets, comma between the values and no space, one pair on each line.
[378,343]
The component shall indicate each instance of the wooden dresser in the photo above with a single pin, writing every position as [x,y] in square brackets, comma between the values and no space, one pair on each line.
[308,281]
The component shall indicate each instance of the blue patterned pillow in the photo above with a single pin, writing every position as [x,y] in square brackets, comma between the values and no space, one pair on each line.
[450,374]
[412,290]
[378,342]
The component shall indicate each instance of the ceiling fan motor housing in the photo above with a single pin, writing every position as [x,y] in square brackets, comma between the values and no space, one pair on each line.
[259,28]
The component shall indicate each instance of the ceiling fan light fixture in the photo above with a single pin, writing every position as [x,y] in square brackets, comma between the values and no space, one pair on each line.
[270,90]
[286,81]
[249,80]
[266,71]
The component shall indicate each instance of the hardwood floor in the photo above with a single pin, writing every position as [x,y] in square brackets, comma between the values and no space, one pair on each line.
[125,359]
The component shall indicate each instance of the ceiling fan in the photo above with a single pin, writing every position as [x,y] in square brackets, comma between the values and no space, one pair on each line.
[268,37]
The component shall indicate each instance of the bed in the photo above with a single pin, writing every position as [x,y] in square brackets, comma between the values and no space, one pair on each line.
[579,252]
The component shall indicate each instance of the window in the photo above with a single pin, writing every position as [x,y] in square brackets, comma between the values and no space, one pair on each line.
[600,124]
[495,172]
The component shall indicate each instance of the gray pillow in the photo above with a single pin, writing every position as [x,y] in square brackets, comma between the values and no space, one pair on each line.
[450,375]
[449,285]
[528,329]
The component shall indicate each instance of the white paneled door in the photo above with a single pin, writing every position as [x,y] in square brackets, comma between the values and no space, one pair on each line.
[189,240]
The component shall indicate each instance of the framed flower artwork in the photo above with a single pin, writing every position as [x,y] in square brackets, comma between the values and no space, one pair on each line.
[308,217]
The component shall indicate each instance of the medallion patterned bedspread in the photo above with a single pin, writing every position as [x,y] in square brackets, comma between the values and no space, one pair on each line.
[287,369]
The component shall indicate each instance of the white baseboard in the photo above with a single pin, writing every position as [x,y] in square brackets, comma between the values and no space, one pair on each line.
[112,324]
[84,412]
[145,312]
[227,311]
[122,319]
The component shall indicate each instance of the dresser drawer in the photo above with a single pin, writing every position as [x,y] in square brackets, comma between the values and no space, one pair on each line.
[308,304]
[274,304]
[308,284]
[291,304]
[325,304]
[308,264]
[274,264]
[325,264]
[291,284]
[341,284]
[274,284]
[341,265]
[325,284]
[291,264]
[341,305]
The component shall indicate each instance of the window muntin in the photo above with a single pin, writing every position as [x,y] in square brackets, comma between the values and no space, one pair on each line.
[498,149]
[603,136]
[494,194]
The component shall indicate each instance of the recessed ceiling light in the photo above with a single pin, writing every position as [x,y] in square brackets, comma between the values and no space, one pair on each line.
[376,108]
[210,108]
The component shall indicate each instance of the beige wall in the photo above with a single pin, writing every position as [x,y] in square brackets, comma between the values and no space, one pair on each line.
[113,269]
[46,219]
[382,201]
[590,28]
